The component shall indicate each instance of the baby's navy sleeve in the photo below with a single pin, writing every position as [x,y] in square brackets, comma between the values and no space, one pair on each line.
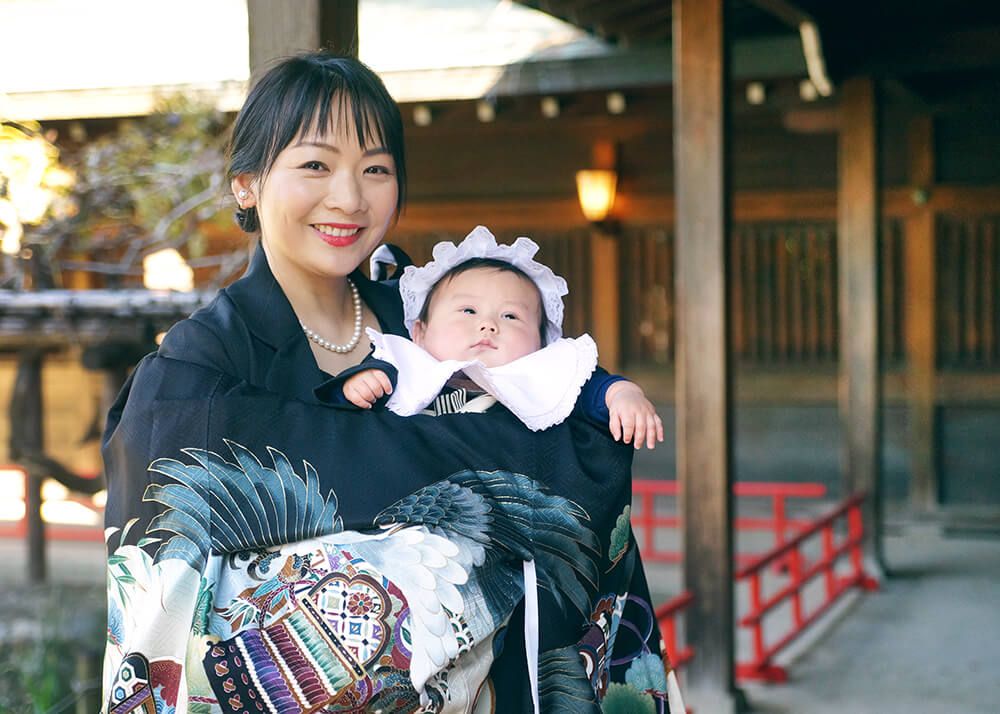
[331,392]
[592,405]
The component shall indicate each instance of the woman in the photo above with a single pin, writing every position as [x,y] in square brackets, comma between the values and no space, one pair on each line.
[269,551]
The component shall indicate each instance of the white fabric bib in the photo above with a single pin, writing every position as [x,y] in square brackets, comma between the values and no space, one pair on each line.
[541,388]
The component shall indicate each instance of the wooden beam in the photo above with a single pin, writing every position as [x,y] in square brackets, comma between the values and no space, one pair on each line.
[639,28]
[788,12]
[910,51]
[857,244]
[703,372]
[563,212]
[605,11]
[920,324]
[338,26]
[657,17]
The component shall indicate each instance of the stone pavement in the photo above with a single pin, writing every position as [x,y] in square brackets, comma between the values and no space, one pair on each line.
[68,563]
[928,641]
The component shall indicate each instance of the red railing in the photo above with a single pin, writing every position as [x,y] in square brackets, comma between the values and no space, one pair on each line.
[666,616]
[800,572]
[55,531]
[778,522]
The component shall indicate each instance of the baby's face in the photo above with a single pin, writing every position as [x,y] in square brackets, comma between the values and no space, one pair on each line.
[482,314]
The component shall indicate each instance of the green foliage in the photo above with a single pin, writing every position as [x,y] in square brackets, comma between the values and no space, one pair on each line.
[647,672]
[51,653]
[150,184]
[625,699]
[203,608]
[167,165]
[620,535]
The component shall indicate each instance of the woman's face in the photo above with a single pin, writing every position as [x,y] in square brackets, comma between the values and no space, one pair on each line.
[325,204]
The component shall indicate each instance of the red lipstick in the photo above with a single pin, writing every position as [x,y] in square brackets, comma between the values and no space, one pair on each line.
[338,235]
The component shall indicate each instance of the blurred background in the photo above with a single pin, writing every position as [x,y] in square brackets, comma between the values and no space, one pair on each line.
[558,120]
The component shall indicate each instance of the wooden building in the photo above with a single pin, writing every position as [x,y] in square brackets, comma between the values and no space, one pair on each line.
[802,263]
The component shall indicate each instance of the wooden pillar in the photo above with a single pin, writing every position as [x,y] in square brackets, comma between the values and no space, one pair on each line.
[280,28]
[703,373]
[857,246]
[338,26]
[920,276]
[605,297]
[605,272]
[27,438]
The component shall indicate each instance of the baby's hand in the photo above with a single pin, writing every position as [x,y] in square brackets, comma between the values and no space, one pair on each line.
[632,415]
[365,388]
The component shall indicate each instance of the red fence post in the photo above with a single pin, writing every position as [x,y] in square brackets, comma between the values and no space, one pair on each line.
[795,567]
[856,531]
[758,627]
[665,616]
[828,575]
[647,520]
[778,508]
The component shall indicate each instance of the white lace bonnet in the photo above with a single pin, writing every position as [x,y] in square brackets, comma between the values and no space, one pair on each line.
[416,283]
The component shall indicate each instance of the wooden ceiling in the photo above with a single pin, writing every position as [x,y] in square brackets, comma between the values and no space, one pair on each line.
[898,39]
[636,22]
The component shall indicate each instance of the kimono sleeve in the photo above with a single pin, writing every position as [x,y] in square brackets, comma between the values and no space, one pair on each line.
[152,595]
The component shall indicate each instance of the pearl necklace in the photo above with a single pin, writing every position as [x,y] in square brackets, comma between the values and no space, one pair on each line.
[355,337]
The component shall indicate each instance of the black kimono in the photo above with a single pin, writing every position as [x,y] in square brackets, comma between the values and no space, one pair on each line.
[272,552]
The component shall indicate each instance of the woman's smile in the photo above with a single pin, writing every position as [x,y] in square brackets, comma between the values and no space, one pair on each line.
[338,234]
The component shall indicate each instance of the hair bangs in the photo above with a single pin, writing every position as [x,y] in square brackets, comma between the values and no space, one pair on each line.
[339,105]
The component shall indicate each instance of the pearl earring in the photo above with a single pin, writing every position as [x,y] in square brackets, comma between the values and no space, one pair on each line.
[242,194]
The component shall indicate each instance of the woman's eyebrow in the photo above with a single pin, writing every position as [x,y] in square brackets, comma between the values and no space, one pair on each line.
[375,150]
[319,145]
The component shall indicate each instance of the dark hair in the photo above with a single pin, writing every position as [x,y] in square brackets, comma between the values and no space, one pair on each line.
[493,264]
[302,94]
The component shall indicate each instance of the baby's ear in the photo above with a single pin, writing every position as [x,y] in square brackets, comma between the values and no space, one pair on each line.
[419,328]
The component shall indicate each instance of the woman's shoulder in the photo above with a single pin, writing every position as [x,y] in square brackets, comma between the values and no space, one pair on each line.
[209,337]
[220,335]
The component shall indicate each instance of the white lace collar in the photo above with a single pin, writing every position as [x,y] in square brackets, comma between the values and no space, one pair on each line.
[541,388]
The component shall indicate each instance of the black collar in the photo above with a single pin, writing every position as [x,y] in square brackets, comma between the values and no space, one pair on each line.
[270,317]
[262,303]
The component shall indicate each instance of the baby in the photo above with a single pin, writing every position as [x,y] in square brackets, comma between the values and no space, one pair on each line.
[486,323]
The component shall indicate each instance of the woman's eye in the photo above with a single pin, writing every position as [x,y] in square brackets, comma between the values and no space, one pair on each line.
[380,170]
[314,165]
